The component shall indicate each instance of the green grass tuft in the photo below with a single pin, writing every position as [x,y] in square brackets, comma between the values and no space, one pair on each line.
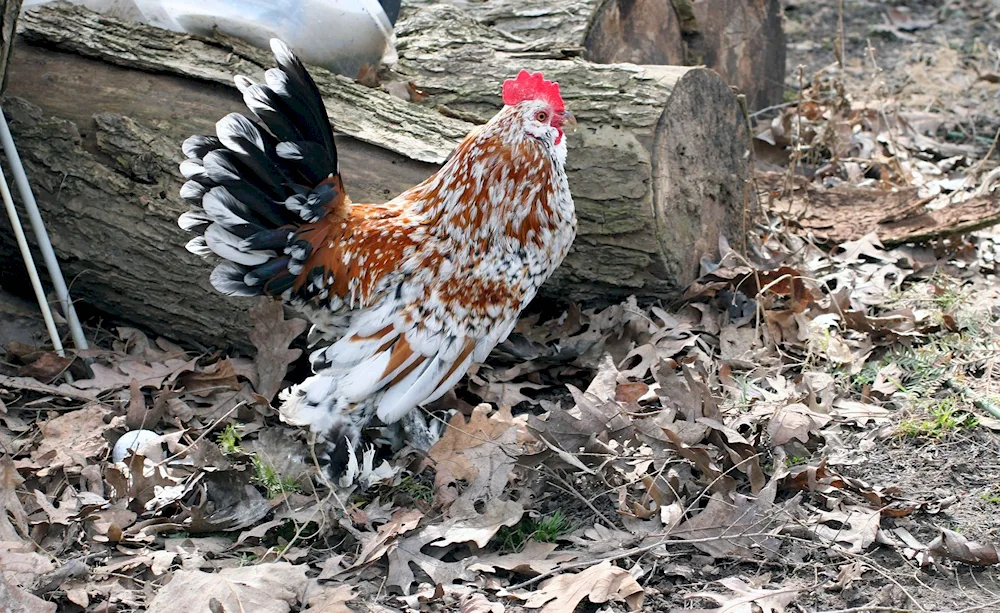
[230,439]
[945,418]
[547,529]
[273,482]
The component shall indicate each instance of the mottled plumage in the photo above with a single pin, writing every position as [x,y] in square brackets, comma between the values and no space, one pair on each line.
[410,293]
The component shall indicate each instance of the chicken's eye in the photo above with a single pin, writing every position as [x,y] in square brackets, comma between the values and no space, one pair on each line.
[542,117]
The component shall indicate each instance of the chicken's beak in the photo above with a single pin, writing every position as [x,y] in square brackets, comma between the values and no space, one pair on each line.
[568,122]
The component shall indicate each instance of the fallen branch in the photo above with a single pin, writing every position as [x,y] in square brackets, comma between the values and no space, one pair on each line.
[842,214]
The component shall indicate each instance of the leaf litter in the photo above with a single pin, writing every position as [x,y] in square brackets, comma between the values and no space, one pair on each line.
[709,452]
[681,438]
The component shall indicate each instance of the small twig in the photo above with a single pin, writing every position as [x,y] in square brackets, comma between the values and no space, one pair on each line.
[877,90]
[569,489]
[978,401]
[970,176]
[298,530]
[796,157]
[773,107]
[750,184]
[853,556]
[130,578]
[841,49]
[381,588]
[989,154]
[32,385]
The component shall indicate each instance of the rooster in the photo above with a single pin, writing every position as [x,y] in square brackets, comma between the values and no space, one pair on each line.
[411,292]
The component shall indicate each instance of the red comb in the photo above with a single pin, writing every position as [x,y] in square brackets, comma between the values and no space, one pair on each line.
[532,86]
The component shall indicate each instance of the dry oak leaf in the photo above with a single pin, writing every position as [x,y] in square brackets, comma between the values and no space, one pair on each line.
[72,439]
[477,603]
[859,413]
[13,598]
[854,527]
[447,457]
[22,566]
[10,505]
[272,335]
[493,464]
[46,367]
[745,598]
[737,525]
[120,375]
[951,545]
[503,393]
[464,523]
[264,588]
[599,584]
[220,375]
[408,551]
[868,245]
[63,390]
[381,542]
[69,507]
[596,414]
[467,525]
[535,559]
[325,598]
[794,422]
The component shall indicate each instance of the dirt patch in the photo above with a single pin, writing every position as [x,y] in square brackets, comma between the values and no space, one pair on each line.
[941,57]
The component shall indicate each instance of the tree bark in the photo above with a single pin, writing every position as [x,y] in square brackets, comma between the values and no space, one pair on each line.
[658,168]
[9,10]
[742,40]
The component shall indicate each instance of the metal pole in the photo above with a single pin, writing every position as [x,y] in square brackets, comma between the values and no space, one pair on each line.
[29,261]
[38,226]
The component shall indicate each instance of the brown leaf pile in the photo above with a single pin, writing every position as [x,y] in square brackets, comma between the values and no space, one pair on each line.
[593,447]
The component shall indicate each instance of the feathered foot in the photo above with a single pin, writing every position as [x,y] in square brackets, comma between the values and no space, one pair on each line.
[413,429]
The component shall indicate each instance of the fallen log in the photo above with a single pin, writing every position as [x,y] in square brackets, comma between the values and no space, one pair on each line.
[659,167]
[842,214]
[741,40]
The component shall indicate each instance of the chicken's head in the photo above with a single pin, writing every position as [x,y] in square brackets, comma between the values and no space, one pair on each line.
[539,107]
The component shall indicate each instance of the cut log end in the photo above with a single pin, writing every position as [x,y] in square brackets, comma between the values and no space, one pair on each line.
[705,191]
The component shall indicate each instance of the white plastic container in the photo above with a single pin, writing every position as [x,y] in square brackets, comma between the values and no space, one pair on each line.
[340,35]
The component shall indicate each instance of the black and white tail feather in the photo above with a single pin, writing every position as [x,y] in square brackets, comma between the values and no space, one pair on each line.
[253,184]
[251,187]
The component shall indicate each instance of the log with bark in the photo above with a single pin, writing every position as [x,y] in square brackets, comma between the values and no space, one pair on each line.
[658,168]
[9,10]
[742,40]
